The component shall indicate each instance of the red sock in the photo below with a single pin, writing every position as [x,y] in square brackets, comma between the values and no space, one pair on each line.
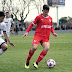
[29,56]
[41,56]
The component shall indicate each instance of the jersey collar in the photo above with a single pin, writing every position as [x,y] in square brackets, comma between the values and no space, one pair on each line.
[46,17]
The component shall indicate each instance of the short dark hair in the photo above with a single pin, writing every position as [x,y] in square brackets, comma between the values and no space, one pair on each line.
[2,14]
[45,7]
[7,12]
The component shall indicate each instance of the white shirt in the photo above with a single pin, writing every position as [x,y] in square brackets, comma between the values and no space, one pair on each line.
[9,22]
[2,28]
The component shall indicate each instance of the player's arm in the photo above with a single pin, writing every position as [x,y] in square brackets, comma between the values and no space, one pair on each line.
[6,37]
[12,28]
[28,29]
[30,26]
[52,30]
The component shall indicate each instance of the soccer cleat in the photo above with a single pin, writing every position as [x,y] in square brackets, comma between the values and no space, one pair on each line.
[35,65]
[26,66]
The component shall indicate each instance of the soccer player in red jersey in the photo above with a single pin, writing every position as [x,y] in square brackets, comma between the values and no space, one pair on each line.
[42,34]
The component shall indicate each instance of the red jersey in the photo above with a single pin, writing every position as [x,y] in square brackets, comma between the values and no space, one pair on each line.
[44,26]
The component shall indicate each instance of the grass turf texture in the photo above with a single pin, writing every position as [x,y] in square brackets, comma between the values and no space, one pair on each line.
[13,60]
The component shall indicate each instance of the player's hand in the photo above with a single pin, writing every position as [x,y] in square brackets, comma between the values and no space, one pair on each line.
[55,35]
[12,44]
[12,31]
[24,35]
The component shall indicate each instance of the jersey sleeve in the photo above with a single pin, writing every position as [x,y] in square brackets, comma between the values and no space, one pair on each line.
[12,22]
[33,23]
[4,27]
[35,20]
[52,29]
[29,28]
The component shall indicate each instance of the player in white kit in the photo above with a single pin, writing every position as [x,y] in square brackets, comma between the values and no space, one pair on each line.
[9,25]
[3,45]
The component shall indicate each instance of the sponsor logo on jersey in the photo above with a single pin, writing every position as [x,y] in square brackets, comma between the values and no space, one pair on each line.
[6,22]
[46,26]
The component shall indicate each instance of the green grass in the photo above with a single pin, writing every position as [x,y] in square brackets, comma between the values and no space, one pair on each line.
[14,58]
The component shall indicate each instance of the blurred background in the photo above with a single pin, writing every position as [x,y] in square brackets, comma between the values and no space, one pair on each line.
[24,12]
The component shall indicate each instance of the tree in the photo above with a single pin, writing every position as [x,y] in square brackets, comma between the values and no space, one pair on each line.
[8,5]
[63,20]
[12,9]
[24,9]
[39,4]
[69,19]
[3,2]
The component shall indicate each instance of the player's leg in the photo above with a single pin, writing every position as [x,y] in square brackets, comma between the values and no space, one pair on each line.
[3,48]
[8,34]
[35,43]
[31,52]
[46,46]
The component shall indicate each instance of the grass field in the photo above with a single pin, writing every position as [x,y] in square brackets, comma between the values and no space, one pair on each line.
[14,58]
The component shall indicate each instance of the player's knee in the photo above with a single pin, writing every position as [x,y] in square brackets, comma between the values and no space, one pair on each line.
[4,47]
[34,48]
[46,49]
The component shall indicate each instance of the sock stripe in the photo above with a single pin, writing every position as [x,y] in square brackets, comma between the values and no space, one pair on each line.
[41,56]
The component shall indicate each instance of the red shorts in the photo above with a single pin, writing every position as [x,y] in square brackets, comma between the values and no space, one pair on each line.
[38,39]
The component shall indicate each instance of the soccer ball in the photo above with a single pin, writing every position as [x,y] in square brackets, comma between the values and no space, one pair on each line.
[51,63]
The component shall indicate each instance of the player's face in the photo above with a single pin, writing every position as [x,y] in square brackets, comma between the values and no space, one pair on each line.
[45,13]
[1,19]
[7,15]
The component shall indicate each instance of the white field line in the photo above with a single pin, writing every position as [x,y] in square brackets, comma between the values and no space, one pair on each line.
[29,41]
